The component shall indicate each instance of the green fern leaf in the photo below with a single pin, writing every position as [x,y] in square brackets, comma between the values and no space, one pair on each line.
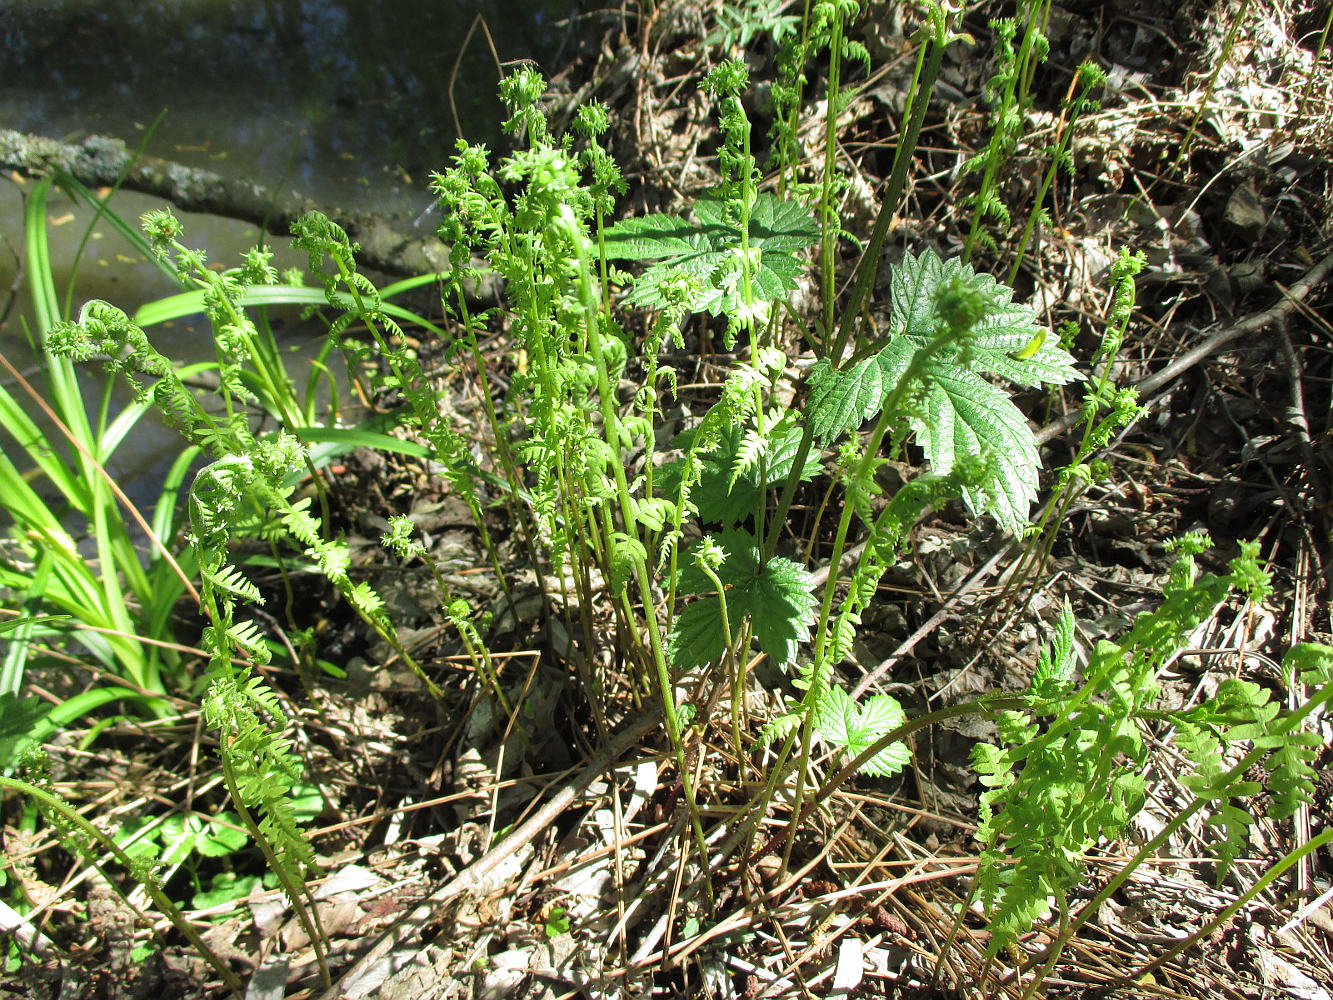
[231,580]
[1055,663]
[1312,662]
[747,455]
[780,728]
[1291,776]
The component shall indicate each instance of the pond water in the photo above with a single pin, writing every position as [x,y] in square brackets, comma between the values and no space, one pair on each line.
[348,101]
[351,104]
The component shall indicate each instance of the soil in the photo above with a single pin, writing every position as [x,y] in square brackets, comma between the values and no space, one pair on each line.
[1232,344]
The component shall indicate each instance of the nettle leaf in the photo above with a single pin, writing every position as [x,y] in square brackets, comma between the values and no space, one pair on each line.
[729,487]
[839,401]
[957,411]
[778,598]
[836,716]
[841,722]
[709,253]
[963,414]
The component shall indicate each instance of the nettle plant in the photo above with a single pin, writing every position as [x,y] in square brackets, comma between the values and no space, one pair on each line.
[712,508]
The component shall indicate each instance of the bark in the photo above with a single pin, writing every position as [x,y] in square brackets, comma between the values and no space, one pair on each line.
[99,161]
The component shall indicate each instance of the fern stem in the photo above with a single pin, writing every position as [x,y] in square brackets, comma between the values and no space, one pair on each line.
[828,220]
[888,414]
[292,884]
[1076,107]
[165,905]
[1219,919]
[1121,310]
[1222,60]
[1010,104]
[500,437]
[729,659]
[611,428]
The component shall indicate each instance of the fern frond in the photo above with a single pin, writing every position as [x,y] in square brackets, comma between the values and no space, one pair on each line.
[780,728]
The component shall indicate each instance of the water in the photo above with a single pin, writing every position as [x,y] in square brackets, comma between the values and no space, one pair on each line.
[350,104]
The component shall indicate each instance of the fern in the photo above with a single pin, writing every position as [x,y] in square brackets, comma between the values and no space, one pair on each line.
[738,25]
[1242,713]
[1008,93]
[1067,772]
[261,764]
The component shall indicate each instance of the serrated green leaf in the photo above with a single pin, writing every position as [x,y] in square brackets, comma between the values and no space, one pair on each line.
[778,597]
[881,713]
[960,413]
[707,252]
[963,414]
[721,501]
[839,401]
[843,723]
[651,237]
[837,719]
[888,762]
[1004,328]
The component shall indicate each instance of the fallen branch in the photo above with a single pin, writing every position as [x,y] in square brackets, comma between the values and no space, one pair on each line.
[1291,299]
[99,161]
